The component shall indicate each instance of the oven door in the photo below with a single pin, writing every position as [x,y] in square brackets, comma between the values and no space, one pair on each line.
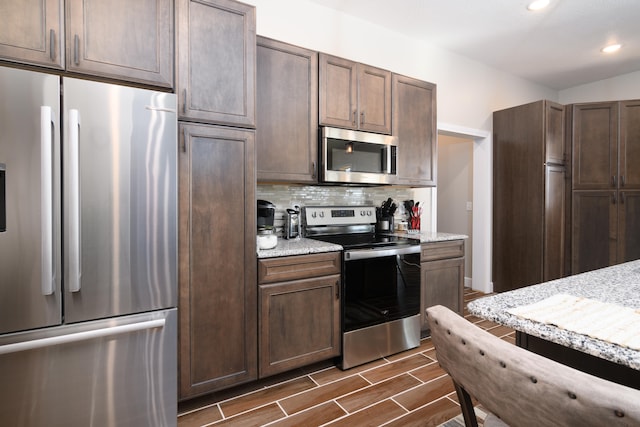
[379,286]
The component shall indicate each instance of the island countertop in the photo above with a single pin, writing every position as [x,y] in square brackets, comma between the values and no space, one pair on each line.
[619,284]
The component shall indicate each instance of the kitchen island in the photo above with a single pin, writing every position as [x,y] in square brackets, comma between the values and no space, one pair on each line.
[619,285]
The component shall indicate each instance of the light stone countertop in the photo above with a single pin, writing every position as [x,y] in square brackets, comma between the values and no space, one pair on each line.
[305,246]
[619,284]
[300,246]
[432,236]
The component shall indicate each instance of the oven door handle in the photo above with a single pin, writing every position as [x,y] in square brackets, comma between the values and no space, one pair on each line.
[357,254]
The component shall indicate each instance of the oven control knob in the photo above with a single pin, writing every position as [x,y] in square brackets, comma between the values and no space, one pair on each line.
[368,213]
[313,215]
[321,214]
[362,213]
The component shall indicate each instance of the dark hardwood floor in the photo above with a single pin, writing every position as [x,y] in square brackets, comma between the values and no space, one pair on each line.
[406,389]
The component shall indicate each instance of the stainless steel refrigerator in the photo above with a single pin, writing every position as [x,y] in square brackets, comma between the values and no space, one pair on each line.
[88,253]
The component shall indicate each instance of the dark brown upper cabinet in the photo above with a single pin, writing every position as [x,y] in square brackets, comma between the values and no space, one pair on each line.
[595,146]
[33,34]
[216,62]
[354,96]
[415,125]
[118,39]
[121,39]
[287,113]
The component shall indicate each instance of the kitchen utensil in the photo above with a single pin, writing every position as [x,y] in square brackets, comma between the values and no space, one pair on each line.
[292,224]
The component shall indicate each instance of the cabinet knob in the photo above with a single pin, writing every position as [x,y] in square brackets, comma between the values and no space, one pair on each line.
[362,118]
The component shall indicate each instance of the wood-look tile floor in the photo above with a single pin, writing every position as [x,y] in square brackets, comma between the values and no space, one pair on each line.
[406,389]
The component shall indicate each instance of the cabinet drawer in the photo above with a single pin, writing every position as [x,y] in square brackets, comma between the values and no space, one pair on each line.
[442,250]
[298,267]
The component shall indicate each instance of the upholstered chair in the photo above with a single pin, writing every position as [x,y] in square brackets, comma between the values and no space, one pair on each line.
[521,388]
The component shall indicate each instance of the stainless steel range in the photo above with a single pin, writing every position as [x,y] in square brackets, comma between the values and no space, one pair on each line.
[380,304]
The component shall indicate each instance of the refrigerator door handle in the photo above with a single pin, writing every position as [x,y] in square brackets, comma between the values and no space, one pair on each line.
[81,336]
[75,272]
[46,200]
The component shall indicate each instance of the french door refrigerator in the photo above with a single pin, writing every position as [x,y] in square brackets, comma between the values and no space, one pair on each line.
[88,253]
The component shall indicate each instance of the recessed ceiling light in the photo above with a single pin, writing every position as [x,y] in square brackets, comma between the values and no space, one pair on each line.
[538,4]
[611,48]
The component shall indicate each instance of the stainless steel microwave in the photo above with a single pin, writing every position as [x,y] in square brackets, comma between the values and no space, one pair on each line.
[354,157]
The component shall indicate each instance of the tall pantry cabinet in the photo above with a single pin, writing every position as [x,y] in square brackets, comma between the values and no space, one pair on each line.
[529,195]
[606,184]
[216,60]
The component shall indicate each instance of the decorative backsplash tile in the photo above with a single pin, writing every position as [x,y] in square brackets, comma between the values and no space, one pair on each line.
[287,196]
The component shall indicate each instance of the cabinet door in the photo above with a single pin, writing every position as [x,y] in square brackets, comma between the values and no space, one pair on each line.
[217,267]
[629,145]
[442,283]
[594,230]
[121,39]
[629,226]
[32,32]
[554,133]
[287,112]
[414,123]
[518,196]
[374,99]
[554,222]
[338,92]
[299,323]
[216,61]
[595,146]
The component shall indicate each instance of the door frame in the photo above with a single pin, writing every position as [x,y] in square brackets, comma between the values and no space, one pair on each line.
[482,202]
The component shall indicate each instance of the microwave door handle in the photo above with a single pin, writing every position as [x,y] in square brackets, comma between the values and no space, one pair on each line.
[74,201]
[388,153]
[46,200]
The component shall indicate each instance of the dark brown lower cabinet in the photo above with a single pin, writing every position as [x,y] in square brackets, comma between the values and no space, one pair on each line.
[217,252]
[442,270]
[298,312]
[606,229]
[595,231]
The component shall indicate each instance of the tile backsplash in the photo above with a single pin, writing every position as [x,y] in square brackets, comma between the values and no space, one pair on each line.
[286,196]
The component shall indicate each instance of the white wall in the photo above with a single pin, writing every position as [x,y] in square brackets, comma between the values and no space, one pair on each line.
[626,86]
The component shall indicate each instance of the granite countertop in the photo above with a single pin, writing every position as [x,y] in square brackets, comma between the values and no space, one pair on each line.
[300,246]
[619,284]
[433,236]
[305,246]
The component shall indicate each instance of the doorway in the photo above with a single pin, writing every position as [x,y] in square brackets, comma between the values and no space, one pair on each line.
[455,192]
[480,247]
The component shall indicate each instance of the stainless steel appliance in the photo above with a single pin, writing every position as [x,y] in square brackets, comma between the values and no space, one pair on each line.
[292,224]
[354,157]
[380,298]
[88,254]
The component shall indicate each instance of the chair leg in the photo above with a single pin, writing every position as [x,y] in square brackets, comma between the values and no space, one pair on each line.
[467,406]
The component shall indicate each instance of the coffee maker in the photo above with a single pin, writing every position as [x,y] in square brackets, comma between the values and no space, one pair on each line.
[266,234]
[266,212]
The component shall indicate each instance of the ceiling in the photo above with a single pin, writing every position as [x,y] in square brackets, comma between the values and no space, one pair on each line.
[558,47]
